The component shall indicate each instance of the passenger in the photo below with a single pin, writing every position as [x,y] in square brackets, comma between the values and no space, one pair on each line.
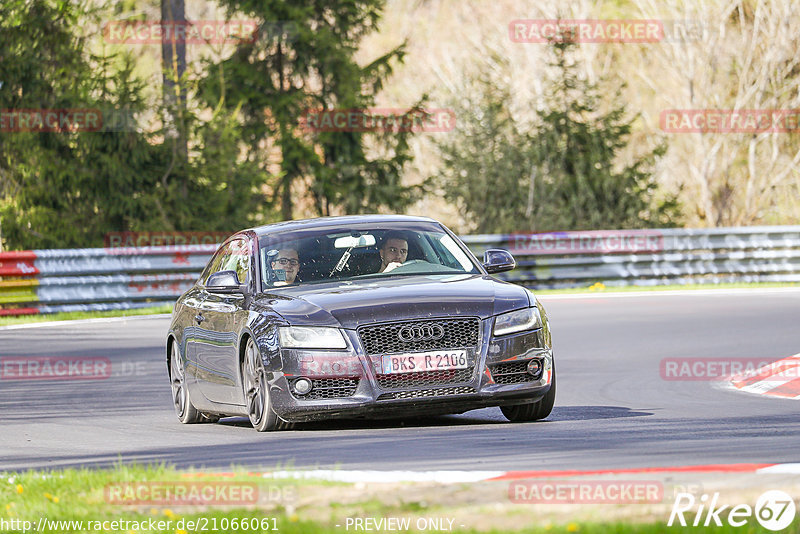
[288,261]
[393,251]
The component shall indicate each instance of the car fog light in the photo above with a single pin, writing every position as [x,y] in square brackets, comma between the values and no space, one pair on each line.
[302,386]
[535,367]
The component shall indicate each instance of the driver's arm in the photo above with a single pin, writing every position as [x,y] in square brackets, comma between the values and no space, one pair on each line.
[391,266]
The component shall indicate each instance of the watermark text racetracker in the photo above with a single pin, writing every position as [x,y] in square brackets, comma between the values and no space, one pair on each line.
[180,493]
[159,239]
[604,30]
[699,369]
[50,120]
[198,524]
[585,31]
[586,491]
[588,242]
[378,120]
[66,120]
[67,368]
[180,31]
[730,120]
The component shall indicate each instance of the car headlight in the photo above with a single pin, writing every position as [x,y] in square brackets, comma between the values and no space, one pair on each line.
[311,337]
[517,321]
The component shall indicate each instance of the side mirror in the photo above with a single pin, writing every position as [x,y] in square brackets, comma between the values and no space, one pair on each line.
[225,282]
[496,260]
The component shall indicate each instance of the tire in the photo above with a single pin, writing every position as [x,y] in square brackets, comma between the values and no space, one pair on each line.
[535,411]
[256,392]
[185,410]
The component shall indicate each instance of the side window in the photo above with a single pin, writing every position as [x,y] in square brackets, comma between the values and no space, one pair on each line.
[214,265]
[238,259]
[235,256]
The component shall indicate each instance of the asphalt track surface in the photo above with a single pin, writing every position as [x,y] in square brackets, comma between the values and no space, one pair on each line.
[613,408]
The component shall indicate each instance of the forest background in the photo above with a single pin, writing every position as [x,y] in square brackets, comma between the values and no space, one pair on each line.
[209,136]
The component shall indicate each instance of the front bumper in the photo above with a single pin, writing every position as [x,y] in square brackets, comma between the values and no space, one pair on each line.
[348,383]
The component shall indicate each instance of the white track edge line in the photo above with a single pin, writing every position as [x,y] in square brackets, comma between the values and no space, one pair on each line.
[70,322]
[670,293]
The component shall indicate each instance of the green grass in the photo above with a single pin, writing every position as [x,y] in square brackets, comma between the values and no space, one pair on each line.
[70,316]
[653,528]
[82,495]
[293,506]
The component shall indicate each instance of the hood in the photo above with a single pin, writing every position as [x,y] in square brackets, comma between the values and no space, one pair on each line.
[351,304]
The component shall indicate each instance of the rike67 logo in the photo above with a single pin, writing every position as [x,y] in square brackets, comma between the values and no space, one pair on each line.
[774,510]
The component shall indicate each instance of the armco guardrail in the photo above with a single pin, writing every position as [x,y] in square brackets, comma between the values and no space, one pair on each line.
[47,281]
[650,257]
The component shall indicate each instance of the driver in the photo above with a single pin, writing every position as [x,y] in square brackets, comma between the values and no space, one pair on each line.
[287,260]
[393,251]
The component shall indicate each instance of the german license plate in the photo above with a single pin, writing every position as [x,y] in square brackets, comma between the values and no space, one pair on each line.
[436,360]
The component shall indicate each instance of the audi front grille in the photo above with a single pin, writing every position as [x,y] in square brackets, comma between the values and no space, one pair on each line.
[415,336]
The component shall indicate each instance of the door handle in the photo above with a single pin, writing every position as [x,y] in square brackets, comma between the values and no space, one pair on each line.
[199,318]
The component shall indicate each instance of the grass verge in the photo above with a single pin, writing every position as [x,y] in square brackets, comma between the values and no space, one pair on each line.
[71,316]
[136,499]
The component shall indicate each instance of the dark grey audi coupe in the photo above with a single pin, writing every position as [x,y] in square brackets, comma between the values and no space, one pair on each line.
[359,316]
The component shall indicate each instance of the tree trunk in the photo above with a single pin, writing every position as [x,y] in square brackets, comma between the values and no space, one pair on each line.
[173,55]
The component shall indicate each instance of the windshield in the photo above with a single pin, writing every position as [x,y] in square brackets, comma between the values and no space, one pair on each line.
[312,256]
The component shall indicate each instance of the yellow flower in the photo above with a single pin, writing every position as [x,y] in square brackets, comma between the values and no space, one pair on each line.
[55,500]
[153,511]
[179,531]
[294,518]
[19,488]
[50,497]
[169,513]
[572,527]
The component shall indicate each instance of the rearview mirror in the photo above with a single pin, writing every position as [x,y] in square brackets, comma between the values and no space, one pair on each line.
[225,282]
[497,260]
[349,241]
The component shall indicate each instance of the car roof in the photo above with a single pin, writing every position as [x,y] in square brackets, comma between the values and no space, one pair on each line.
[336,222]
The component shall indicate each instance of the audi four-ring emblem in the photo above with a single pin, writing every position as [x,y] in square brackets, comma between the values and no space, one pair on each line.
[421,333]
